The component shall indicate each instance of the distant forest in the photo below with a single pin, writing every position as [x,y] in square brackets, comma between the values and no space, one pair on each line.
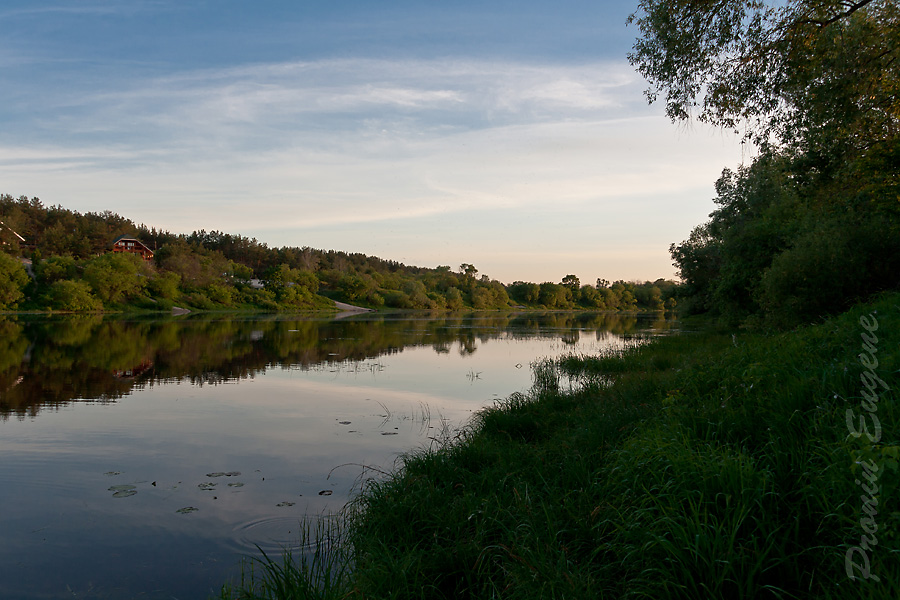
[73,269]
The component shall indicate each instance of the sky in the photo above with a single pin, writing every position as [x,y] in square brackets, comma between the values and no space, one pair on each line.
[514,136]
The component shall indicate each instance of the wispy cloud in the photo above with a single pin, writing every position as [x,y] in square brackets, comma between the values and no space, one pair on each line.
[317,146]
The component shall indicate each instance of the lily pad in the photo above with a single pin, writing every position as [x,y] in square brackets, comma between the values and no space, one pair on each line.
[111,473]
[224,474]
[123,491]
[325,493]
[280,504]
[388,433]
[187,509]
[207,485]
[344,422]
[236,484]
[216,474]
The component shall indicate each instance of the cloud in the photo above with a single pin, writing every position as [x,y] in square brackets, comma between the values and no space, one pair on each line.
[353,151]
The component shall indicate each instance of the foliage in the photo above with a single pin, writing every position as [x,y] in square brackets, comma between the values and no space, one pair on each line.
[164,284]
[812,224]
[291,287]
[810,73]
[788,248]
[55,268]
[13,279]
[71,296]
[114,277]
[828,268]
[196,269]
[210,270]
[57,231]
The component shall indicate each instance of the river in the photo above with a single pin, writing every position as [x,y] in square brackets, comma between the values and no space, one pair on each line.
[144,457]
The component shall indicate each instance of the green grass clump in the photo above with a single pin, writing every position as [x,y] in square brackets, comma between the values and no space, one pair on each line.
[703,465]
[318,569]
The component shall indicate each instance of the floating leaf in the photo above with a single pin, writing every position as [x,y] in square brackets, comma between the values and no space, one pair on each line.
[111,473]
[207,486]
[216,474]
[187,509]
[343,422]
[236,484]
[325,493]
[123,491]
[232,473]
[280,504]
[388,433]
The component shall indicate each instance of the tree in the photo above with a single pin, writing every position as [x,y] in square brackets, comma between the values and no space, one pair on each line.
[291,286]
[468,270]
[525,292]
[55,268]
[356,287]
[554,295]
[72,296]
[811,73]
[13,279]
[573,283]
[115,276]
[454,298]
[590,297]
[165,285]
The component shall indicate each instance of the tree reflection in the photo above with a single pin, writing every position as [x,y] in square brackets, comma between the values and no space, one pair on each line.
[47,362]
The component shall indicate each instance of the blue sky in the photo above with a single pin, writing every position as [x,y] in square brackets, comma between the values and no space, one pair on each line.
[511,135]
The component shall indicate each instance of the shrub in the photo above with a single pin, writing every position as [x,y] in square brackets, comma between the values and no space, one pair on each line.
[220,294]
[115,277]
[13,279]
[165,285]
[827,269]
[55,268]
[69,295]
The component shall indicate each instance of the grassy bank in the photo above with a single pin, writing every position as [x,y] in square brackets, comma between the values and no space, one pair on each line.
[704,465]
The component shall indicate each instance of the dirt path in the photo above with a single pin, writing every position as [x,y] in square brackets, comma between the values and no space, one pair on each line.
[26,262]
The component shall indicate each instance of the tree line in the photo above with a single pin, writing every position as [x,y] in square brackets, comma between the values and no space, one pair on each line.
[812,224]
[74,270]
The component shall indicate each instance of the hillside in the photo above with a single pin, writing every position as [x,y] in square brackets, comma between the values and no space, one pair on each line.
[75,270]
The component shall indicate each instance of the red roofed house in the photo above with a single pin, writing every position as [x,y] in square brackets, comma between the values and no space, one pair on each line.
[129,244]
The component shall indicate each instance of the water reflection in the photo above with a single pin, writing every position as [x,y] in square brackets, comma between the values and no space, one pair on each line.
[233,430]
[49,362]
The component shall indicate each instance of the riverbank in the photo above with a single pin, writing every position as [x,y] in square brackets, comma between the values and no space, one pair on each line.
[703,465]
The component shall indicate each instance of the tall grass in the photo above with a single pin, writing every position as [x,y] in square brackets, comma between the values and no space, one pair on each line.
[707,465]
[319,568]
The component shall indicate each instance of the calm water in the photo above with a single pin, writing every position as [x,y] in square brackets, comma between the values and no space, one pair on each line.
[143,458]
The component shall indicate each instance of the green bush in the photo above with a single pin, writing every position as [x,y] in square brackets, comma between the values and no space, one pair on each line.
[13,279]
[115,277]
[220,294]
[71,296]
[453,298]
[55,268]
[199,300]
[827,269]
[164,285]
